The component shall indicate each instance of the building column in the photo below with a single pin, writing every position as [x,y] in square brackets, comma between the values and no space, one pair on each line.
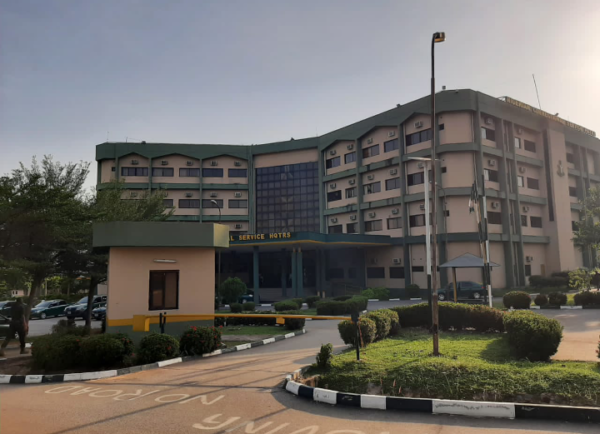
[323,273]
[507,206]
[256,275]
[300,282]
[283,273]
[361,276]
[294,273]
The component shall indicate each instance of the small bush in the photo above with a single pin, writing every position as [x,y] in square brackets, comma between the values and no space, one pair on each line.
[235,307]
[368,293]
[412,290]
[62,327]
[343,297]
[383,324]
[249,306]
[56,351]
[294,323]
[353,305]
[312,301]
[368,331]
[155,348]
[286,305]
[557,299]
[455,316]
[416,315]
[587,298]
[395,321]
[232,289]
[324,356]
[250,320]
[102,351]
[196,341]
[533,336]
[381,293]
[298,301]
[541,300]
[517,300]
[486,319]
[551,282]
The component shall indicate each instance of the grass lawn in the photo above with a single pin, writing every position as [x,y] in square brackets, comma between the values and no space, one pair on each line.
[253,330]
[473,367]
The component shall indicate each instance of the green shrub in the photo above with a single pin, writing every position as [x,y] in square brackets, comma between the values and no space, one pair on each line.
[312,301]
[368,331]
[155,348]
[381,293]
[62,327]
[232,289]
[196,341]
[517,300]
[103,351]
[294,323]
[298,301]
[412,290]
[533,336]
[394,320]
[286,305]
[557,299]
[56,351]
[383,324]
[235,307]
[455,316]
[485,319]
[324,356]
[587,298]
[353,305]
[250,320]
[368,293]
[343,297]
[541,300]
[551,282]
[416,315]
[249,306]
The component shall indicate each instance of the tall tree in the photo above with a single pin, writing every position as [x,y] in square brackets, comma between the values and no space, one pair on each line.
[588,227]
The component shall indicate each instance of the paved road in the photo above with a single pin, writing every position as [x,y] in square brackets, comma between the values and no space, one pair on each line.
[237,393]
[581,334]
[39,327]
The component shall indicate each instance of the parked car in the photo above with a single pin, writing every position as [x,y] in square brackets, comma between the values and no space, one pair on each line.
[79,309]
[49,308]
[4,324]
[5,307]
[99,313]
[464,289]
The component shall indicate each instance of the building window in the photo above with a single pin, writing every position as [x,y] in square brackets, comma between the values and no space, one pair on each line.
[163,171]
[332,196]
[371,151]
[416,178]
[376,272]
[396,272]
[350,157]
[573,191]
[536,222]
[189,173]
[416,221]
[418,137]
[391,145]
[113,169]
[374,187]
[392,184]
[337,229]
[134,171]
[164,290]
[208,203]
[488,134]
[238,203]
[351,228]
[570,158]
[351,273]
[418,269]
[238,173]
[333,162]
[529,145]
[444,169]
[212,173]
[527,270]
[517,143]
[520,181]
[351,192]
[373,226]
[524,221]
[335,273]
[168,203]
[441,127]
[394,223]
[494,218]
[533,183]
[189,203]
[574,226]
[490,175]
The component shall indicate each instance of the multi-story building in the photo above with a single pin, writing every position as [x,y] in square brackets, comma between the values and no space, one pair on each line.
[347,208]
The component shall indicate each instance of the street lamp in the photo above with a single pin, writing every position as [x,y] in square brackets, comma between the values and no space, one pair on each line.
[436,38]
[214,202]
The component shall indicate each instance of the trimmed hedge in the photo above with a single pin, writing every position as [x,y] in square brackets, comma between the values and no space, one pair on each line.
[342,297]
[533,336]
[200,340]
[383,323]
[103,351]
[587,298]
[286,305]
[250,320]
[56,351]
[155,348]
[557,299]
[298,301]
[541,300]
[235,307]
[353,305]
[368,331]
[552,282]
[312,301]
[294,323]
[376,293]
[249,306]
[517,300]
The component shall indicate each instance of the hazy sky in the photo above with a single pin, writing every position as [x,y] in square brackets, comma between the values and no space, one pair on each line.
[74,72]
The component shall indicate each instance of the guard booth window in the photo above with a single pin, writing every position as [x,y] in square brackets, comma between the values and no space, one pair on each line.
[164,290]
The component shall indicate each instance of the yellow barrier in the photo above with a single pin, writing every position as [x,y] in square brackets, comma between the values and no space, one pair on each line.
[141,323]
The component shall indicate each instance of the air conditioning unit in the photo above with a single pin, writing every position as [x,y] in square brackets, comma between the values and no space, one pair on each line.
[422,207]
[391,133]
[395,211]
[237,194]
[370,177]
[421,165]
[133,194]
[370,140]
[189,163]
[332,185]
[214,163]
[495,205]
[334,220]
[238,226]
[332,152]
[353,217]
[393,171]
[418,124]
[525,208]
[188,195]
[491,163]
[519,130]
[237,163]
[352,182]
[488,121]
[135,162]
[397,261]
[374,261]
[372,215]
[528,258]
[164,163]
[350,147]
[214,194]
[522,169]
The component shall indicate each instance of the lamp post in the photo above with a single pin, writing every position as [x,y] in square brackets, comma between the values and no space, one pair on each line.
[436,38]
[219,255]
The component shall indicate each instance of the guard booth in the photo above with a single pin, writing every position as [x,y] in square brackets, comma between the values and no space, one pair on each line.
[159,267]
[467,260]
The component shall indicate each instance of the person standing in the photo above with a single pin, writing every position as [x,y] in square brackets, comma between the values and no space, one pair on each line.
[18,324]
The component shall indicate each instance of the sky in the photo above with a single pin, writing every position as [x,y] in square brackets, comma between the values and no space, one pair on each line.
[76,73]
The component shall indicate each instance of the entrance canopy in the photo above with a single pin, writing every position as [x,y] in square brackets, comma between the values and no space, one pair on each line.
[467,261]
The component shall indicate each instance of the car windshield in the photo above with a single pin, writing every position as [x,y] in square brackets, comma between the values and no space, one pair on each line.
[44,304]
[82,301]
[3,303]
